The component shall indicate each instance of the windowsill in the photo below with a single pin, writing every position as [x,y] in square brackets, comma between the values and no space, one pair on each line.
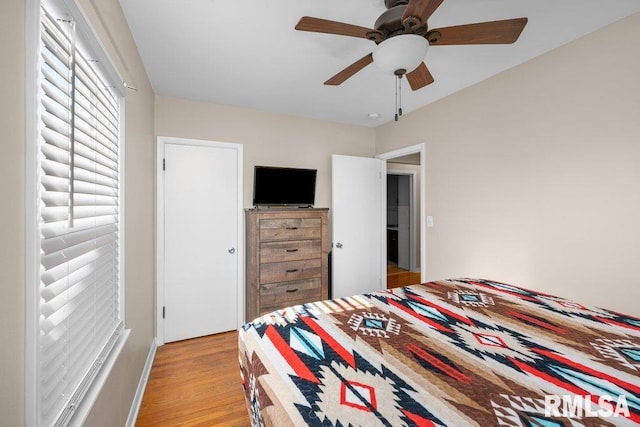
[80,416]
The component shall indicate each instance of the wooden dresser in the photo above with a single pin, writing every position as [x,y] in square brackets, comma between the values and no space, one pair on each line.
[286,258]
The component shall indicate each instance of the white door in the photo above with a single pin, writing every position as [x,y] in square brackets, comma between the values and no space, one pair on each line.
[201,224]
[358,224]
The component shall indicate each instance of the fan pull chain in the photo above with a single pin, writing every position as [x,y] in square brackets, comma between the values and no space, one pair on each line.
[400,94]
[396,116]
[398,97]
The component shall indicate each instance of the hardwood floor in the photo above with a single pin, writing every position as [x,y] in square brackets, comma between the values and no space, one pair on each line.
[397,277]
[195,383]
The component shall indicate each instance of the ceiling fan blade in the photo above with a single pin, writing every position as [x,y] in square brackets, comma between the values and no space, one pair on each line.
[318,25]
[422,9]
[350,70]
[420,77]
[494,32]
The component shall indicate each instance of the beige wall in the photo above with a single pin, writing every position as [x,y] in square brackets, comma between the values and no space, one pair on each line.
[12,246]
[533,176]
[113,404]
[268,139]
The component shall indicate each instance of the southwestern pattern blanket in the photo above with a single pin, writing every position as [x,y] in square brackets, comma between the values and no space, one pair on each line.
[447,353]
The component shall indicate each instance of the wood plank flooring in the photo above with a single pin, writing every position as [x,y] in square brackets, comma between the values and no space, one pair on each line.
[195,383]
[397,277]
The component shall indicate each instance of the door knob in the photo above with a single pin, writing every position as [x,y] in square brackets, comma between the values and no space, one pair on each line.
[232,250]
[339,245]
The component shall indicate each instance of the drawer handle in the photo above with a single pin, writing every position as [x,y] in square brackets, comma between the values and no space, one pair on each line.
[292,228]
[292,290]
[292,270]
[292,250]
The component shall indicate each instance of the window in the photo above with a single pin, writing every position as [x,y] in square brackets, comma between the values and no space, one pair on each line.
[77,317]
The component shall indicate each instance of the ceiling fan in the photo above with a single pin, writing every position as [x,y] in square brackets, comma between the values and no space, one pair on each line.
[402,37]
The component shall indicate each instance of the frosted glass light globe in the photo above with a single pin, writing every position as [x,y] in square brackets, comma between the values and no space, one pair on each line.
[403,52]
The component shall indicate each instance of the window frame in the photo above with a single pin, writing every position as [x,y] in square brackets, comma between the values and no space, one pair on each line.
[90,43]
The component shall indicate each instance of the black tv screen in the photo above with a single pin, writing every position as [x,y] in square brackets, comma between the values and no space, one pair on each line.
[284,186]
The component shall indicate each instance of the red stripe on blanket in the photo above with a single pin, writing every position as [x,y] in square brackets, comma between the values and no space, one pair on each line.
[420,421]
[614,323]
[441,309]
[552,355]
[544,376]
[515,294]
[439,364]
[628,316]
[290,356]
[345,354]
[418,316]
[535,321]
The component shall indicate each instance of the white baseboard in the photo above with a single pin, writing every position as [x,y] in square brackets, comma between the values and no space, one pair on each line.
[142,385]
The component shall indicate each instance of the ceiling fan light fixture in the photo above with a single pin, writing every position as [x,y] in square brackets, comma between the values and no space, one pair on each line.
[402,52]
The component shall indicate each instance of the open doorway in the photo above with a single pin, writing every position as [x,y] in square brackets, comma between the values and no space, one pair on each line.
[407,164]
[401,228]
[400,220]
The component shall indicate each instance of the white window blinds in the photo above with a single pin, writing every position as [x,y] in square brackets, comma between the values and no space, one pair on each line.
[79,289]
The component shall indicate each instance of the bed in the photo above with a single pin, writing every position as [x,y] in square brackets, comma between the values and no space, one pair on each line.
[446,353]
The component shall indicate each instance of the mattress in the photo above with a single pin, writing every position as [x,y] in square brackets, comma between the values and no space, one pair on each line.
[447,353]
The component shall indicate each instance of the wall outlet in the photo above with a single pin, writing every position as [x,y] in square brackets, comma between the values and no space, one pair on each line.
[429,221]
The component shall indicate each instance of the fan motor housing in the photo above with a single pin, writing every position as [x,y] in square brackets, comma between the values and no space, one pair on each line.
[390,23]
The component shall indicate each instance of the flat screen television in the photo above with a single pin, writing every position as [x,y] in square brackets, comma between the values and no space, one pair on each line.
[277,186]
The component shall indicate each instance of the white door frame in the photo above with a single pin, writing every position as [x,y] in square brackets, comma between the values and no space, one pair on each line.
[413,149]
[160,282]
[412,216]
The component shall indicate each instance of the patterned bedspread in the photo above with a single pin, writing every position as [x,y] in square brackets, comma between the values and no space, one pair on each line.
[455,352]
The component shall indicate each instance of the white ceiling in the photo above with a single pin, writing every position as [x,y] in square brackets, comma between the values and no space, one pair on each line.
[246,53]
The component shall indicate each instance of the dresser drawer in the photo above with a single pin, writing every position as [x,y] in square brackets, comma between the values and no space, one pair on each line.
[290,229]
[290,270]
[290,250]
[275,296]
